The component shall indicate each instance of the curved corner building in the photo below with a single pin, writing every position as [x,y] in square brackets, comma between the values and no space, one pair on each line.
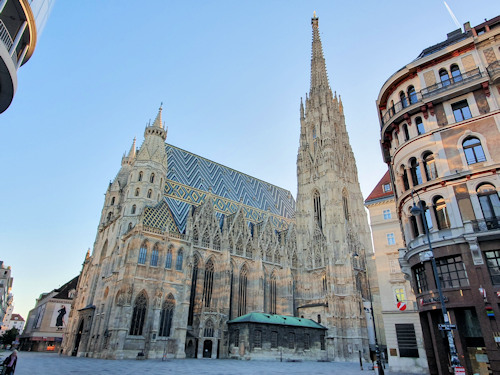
[440,123]
[20,23]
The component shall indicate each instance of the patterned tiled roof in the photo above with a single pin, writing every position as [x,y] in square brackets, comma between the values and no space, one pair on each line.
[191,177]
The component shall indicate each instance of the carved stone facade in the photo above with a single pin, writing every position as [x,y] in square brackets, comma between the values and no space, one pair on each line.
[185,244]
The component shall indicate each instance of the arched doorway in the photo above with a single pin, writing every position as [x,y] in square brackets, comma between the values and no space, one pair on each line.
[207,349]
[77,339]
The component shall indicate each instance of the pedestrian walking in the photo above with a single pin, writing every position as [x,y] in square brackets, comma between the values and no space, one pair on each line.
[10,364]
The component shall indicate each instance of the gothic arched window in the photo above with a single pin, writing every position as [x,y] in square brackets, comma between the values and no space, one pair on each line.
[167,313]
[205,240]
[242,291]
[178,263]
[132,211]
[139,314]
[152,178]
[192,296]
[208,283]
[195,236]
[140,176]
[209,328]
[154,256]
[269,255]
[345,204]
[402,97]
[168,259]
[239,246]
[137,191]
[273,294]
[143,251]
[216,244]
[317,208]
[112,201]
[103,251]
[150,193]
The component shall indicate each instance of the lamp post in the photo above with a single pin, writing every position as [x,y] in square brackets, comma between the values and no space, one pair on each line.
[416,211]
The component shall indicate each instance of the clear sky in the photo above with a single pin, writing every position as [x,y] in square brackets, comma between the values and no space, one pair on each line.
[230,75]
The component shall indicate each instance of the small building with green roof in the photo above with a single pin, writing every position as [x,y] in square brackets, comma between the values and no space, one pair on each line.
[276,337]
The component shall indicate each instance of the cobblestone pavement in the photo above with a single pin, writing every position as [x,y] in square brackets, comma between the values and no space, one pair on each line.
[52,364]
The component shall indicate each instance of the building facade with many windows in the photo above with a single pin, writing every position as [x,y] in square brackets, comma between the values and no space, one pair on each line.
[402,332]
[440,136]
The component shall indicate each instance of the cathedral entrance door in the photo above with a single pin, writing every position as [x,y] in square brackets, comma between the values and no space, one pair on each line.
[207,349]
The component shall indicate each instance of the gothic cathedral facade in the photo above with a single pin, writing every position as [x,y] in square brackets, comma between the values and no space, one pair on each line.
[185,245]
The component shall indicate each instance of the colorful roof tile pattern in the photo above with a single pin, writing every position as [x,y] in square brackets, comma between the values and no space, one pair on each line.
[160,217]
[190,177]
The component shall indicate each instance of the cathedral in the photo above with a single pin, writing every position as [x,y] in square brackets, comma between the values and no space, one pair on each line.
[194,259]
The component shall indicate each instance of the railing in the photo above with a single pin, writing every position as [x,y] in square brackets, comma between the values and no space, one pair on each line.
[493,68]
[399,106]
[5,36]
[484,225]
[443,86]
[451,83]
[154,230]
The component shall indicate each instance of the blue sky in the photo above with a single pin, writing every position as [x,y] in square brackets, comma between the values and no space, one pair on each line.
[230,75]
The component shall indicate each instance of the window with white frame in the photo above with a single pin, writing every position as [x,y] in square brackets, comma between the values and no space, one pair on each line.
[390,239]
[387,188]
[387,214]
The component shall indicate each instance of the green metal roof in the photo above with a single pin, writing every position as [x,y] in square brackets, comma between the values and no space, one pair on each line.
[283,320]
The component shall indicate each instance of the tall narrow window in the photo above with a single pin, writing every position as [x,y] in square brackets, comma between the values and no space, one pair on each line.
[257,338]
[412,95]
[402,97]
[192,296]
[307,341]
[390,239]
[195,236]
[414,226]
[345,204]
[405,132]
[143,251]
[140,176]
[113,201]
[473,150]
[420,125]
[317,208]
[154,256]
[490,205]
[441,211]
[416,174]
[461,111]
[216,244]
[137,191]
[208,283]
[239,247]
[208,331]
[152,178]
[323,282]
[168,259]
[274,339]
[444,77]
[420,279]
[167,313]
[150,192]
[205,240]
[273,294]
[430,166]
[455,73]
[405,179]
[291,340]
[295,261]
[132,211]
[178,263]
[242,292]
[139,314]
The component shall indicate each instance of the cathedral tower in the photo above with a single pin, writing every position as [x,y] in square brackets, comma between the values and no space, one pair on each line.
[332,229]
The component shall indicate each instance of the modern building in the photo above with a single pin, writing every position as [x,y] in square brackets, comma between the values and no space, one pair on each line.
[440,122]
[47,321]
[399,312]
[185,244]
[6,281]
[21,22]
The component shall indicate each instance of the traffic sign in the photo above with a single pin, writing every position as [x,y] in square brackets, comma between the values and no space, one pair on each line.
[401,306]
[459,370]
[447,327]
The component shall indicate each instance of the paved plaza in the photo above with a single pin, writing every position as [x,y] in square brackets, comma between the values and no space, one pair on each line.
[31,363]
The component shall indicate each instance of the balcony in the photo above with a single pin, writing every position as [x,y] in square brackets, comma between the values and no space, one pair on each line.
[451,86]
[486,225]
[494,71]
[451,83]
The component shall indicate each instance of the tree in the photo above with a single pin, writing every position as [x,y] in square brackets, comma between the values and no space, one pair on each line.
[9,336]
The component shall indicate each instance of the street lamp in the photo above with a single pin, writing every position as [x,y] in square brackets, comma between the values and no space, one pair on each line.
[419,211]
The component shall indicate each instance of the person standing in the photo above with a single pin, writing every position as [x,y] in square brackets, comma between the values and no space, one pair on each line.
[10,363]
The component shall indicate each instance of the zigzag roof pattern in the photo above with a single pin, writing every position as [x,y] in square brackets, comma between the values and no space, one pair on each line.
[205,175]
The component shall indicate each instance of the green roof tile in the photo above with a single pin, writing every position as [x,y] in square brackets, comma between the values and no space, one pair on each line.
[276,319]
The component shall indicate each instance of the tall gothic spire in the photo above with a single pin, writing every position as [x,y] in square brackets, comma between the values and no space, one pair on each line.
[319,77]
[158,122]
